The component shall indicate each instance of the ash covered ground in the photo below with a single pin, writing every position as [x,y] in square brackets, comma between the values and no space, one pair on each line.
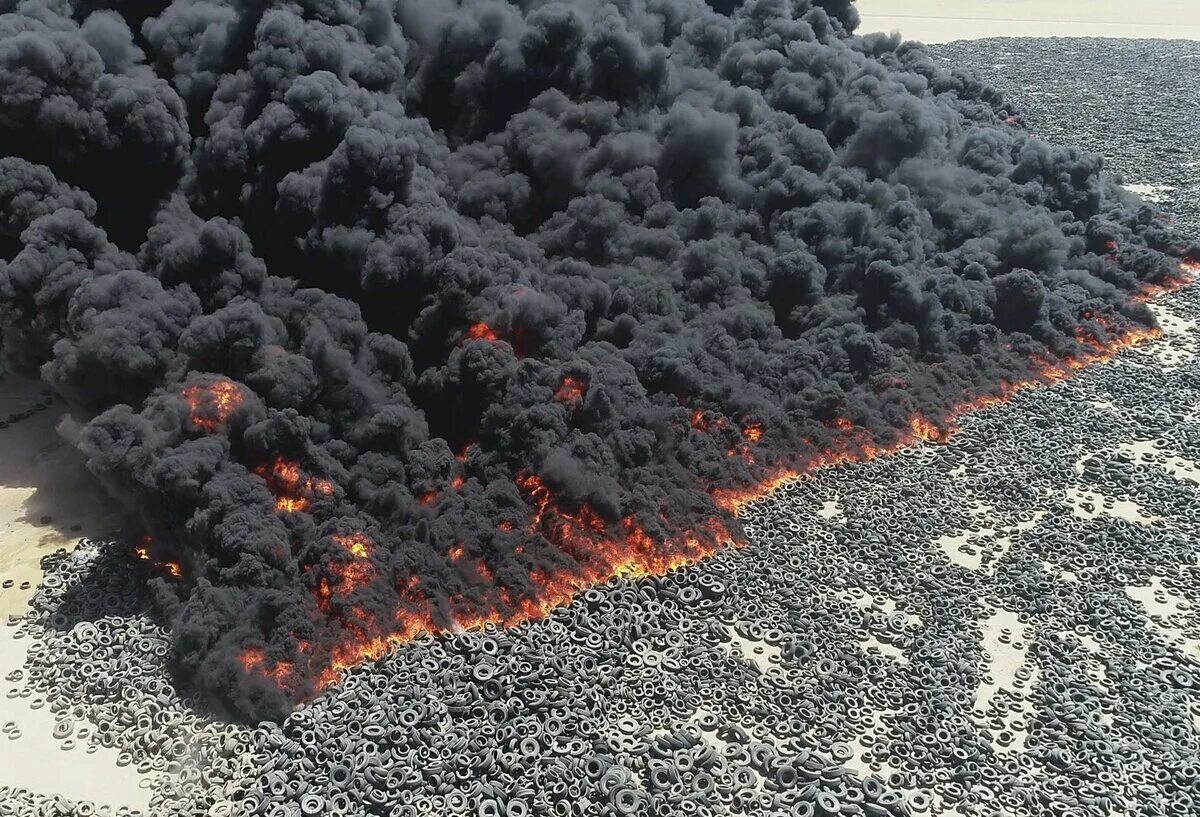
[999,625]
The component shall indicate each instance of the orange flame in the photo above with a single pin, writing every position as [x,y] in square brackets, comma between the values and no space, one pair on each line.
[571,391]
[1188,272]
[254,659]
[853,443]
[293,489]
[358,545]
[212,406]
[344,578]
[582,534]
[599,550]
[142,551]
[481,331]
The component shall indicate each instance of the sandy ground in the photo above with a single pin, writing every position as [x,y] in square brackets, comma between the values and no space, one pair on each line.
[45,503]
[939,21]
[44,506]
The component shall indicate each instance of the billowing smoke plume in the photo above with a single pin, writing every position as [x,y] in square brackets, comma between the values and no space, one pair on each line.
[396,316]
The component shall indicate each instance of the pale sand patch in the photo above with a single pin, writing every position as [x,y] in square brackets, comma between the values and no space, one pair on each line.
[1181,468]
[885,622]
[939,21]
[882,604]
[37,761]
[1006,646]
[1098,672]
[966,547]
[872,644]
[1089,504]
[864,761]
[1092,505]
[831,509]
[1167,612]
[1147,451]
[1005,643]
[714,740]
[763,655]
[1179,344]
[38,479]
[963,548]
[1157,193]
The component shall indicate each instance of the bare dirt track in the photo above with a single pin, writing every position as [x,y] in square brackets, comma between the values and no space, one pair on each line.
[939,22]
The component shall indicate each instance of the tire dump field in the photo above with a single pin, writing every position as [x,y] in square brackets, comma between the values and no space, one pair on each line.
[998,617]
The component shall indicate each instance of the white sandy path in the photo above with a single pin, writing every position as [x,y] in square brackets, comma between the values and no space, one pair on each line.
[939,22]
[34,483]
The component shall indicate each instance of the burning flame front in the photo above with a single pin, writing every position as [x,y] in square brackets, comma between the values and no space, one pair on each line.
[595,548]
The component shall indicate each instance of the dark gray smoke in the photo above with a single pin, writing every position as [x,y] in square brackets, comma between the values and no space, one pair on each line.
[405,314]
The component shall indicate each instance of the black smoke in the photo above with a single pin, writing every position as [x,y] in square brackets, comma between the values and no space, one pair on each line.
[465,269]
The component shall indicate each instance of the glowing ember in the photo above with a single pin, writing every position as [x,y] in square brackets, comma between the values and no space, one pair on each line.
[355,575]
[344,578]
[254,660]
[481,331]
[358,545]
[142,551]
[292,488]
[922,429]
[699,421]
[706,421]
[212,406]
[624,549]
[1187,275]
[572,391]
[599,549]
[853,443]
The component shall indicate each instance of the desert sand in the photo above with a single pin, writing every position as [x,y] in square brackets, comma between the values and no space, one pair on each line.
[939,22]
[45,505]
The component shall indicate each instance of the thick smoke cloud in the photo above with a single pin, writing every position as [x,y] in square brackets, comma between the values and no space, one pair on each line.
[403,315]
